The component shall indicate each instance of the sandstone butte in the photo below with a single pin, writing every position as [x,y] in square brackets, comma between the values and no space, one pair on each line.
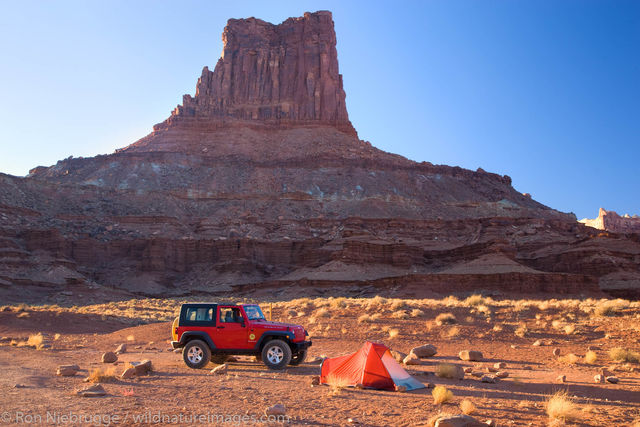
[259,185]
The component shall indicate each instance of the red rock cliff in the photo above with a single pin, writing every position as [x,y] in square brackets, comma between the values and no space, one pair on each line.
[280,74]
[611,221]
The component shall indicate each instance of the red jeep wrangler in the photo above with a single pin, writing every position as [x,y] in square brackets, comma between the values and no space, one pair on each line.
[212,331]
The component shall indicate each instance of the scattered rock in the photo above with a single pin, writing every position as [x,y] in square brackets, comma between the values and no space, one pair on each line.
[500,365]
[468,370]
[67,370]
[477,374]
[315,361]
[492,369]
[412,359]
[491,423]
[612,379]
[398,355]
[122,348]
[556,352]
[220,370]
[598,378]
[18,385]
[93,391]
[353,421]
[470,355]
[561,379]
[538,343]
[527,368]
[109,357]
[423,351]
[142,368]
[177,350]
[315,380]
[502,374]
[128,373]
[593,348]
[360,386]
[231,359]
[276,410]
[488,379]
[458,421]
[401,388]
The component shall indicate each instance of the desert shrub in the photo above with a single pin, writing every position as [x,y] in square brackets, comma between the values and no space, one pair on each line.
[397,304]
[393,333]
[610,307]
[337,303]
[620,354]
[441,394]
[336,384]
[562,407]
[35,340]
[376,316]
[498,328]
[569,329]
[365,318]
[453,331]
[445,319]
[102,376]
[416,312]
[591,357]
[467,407]
[400,314]
[522,331]
[570,359]
[474,300]
[323,312]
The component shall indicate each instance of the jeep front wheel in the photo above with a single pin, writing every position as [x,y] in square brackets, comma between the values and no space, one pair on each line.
[276,354]
[196,354]
[298,358]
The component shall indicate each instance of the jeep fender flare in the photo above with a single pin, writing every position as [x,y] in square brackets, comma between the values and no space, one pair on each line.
[275,334]
[189,335]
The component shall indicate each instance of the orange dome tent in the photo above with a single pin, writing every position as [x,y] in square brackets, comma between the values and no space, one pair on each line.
[373,366]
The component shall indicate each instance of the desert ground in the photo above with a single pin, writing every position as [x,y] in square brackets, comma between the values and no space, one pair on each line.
[588,336]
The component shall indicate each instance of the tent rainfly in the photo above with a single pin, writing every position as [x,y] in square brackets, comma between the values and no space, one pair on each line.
[372,366]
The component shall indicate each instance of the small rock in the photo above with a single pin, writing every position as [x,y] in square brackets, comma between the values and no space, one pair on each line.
[500,365]
[491,423]
[470,355]
[315,361]
[477,374]
[502,374]
[527,368]
[538,343]
[128,373]
[556,352]
[353,421]
[401,388]
[109,357]
[122,348]
[220,370]
[142,368]
[412,359]
[458,421]
[598,378]
[398,355]
[177,350]
[423,351]
[593,348]
[612,379]
[231,359]
[488,379]
[18,385]
[514,346]
[315,380]
[468,370]
[93,391]
[276,410]
[67,370]
[359,386]
[561,379]
[492,369]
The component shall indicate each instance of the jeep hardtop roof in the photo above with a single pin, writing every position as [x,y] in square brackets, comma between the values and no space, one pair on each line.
[215,303]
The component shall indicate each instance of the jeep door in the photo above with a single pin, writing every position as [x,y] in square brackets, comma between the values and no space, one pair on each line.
[231,328]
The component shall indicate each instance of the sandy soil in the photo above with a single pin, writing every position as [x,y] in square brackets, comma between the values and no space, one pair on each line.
[30,388]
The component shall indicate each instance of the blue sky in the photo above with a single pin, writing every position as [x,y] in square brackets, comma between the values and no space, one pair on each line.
[547,92]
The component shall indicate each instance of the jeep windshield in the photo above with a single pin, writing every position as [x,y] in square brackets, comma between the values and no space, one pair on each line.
[253,312]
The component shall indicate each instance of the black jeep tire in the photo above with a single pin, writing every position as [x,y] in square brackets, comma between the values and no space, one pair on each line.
[196,354]
[219,359]
[276,354]
[298,358]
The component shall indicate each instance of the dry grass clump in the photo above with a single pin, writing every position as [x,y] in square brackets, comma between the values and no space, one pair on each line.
[397,304]
[416,312]
[569,359]
[610,307]
[400,314]
[620,354]
[336,384]
[474,300]
[498,328]
[393,333]
[522,331]
[102,376]
[322,312]
[467,407]
[453,331]
[447,370]
[441,394]
[445,319]
[569,329]
[591,357]
[562,407]
[35,340]
[365,318]
[483,309]
[336,303]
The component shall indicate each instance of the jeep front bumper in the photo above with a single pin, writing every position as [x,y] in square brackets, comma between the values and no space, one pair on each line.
[299,346]
[176,344]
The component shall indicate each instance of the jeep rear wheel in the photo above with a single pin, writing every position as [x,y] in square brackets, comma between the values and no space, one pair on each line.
[276,354]
[196,354]
[298,358]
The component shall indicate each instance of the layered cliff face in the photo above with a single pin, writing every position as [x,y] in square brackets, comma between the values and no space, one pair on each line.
[260,183]
[611,221]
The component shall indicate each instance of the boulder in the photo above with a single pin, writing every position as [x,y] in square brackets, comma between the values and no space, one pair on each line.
[276,410]
[500,365]
[109,357]
[315,380]
[502,374]
[412,359]
[67,370]
[142,368]
[128,373]
[488,378]
[398,355]
[470,355]
[612,379]
[423,351]
[458,421]
[122,348]
[556,352]
[95,390]
[220,370]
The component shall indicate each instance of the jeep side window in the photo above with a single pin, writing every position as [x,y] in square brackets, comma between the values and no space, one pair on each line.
[200,314]
[230,315]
